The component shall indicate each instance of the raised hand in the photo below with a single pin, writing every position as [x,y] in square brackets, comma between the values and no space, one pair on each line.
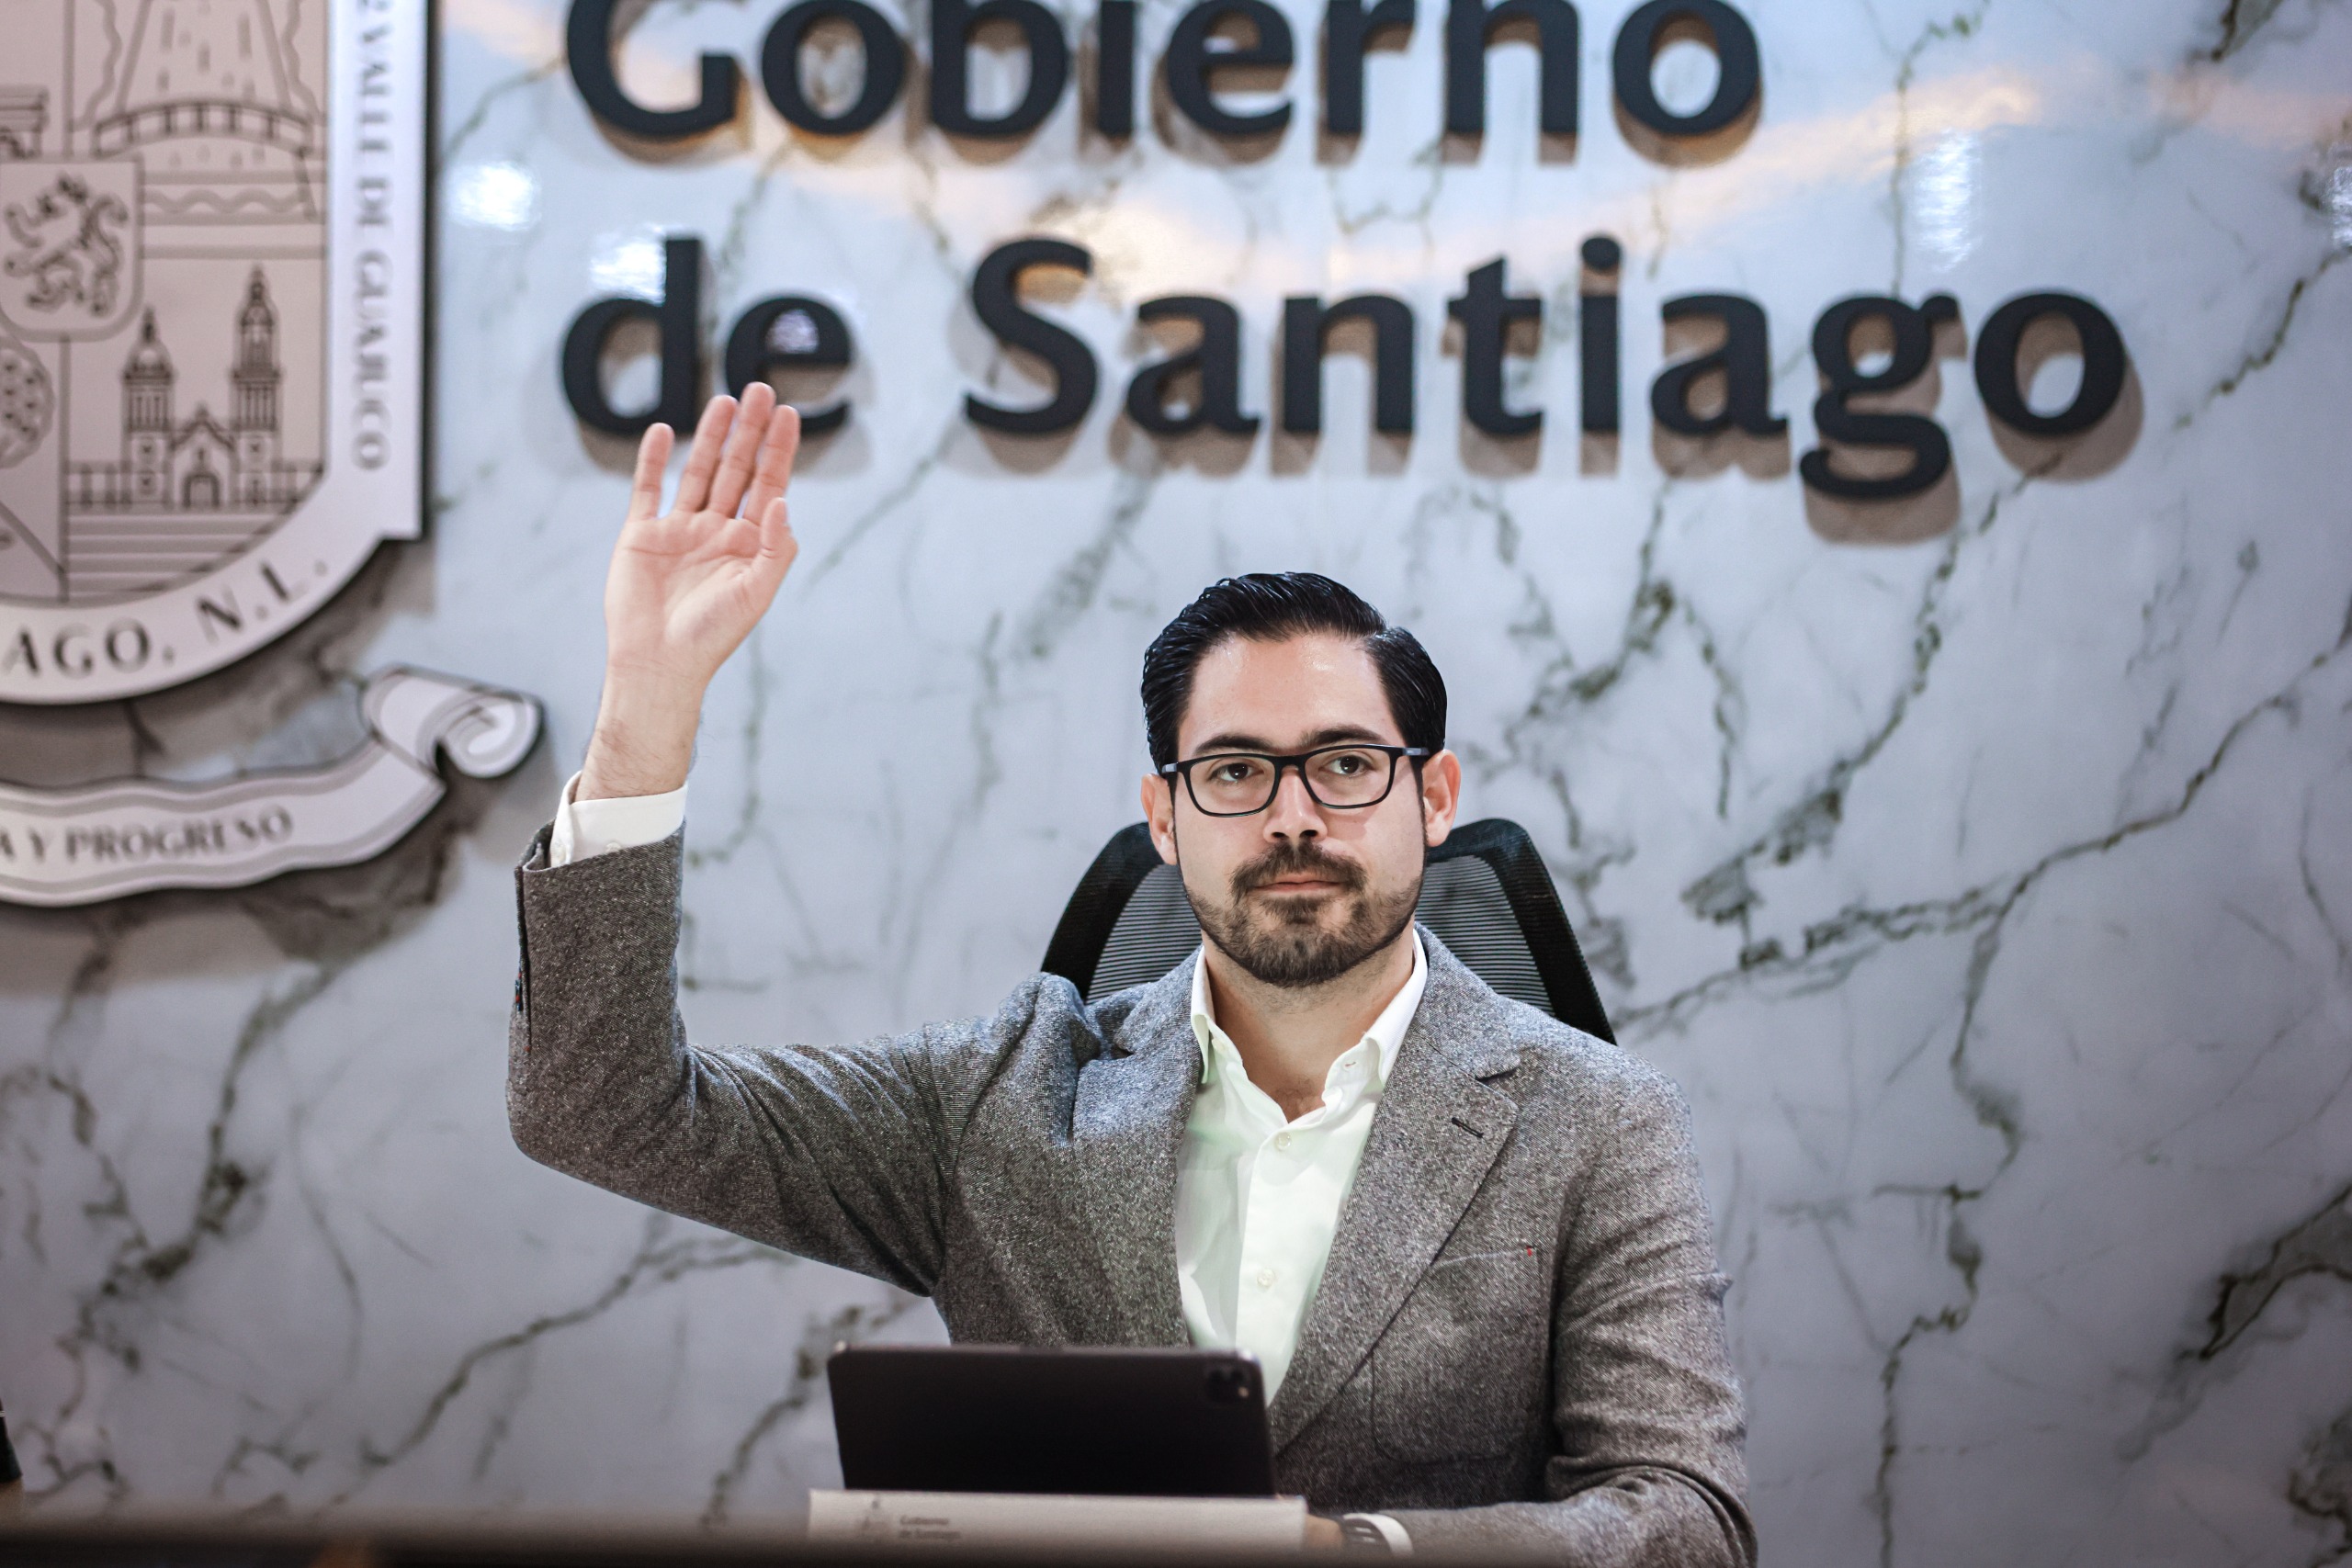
[687,586]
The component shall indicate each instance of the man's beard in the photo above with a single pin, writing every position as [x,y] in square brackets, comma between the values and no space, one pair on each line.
[1286,946]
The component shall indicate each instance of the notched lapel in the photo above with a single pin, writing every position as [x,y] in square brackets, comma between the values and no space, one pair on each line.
[1128,1132]
[1438,1132]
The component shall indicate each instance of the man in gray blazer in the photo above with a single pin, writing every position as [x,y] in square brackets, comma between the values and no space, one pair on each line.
[1467,1242]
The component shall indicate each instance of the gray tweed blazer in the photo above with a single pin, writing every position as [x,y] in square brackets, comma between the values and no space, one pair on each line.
[1518,1345]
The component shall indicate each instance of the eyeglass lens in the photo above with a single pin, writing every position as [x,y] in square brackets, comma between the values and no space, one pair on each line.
[1341,776]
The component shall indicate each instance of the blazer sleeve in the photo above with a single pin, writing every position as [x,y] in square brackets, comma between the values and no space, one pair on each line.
[1648,1469]
[839,1153]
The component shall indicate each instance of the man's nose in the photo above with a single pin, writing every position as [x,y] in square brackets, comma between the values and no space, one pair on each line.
[1293,813]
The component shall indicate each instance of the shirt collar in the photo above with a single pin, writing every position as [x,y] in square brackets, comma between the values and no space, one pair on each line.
[1387,1033]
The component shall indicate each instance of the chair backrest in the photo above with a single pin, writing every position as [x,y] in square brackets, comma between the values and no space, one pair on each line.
[1486,894]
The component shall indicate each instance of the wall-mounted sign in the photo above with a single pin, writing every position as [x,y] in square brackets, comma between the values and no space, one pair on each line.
[1718,390]
[211,275]
[211,352]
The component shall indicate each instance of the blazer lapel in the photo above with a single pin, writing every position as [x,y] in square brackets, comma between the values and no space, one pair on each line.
[1436,1135]
[1127,1131]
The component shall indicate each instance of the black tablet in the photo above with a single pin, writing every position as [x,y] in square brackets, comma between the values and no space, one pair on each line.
[1006,1419]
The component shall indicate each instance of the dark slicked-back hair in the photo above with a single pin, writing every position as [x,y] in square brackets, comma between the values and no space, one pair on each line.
[1271,606]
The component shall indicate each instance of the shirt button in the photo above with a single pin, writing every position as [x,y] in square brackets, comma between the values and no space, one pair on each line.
[1281,1140]
[1265,1279]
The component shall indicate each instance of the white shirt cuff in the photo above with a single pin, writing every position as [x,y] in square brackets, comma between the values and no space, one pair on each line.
[587,828]
[1399,1543]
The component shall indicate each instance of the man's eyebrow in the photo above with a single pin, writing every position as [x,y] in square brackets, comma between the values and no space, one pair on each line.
[1334,735]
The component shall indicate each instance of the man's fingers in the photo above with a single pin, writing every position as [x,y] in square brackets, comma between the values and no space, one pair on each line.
[776,453]
[777,544]
[702,460]
[777,548]
[645,489]
[742,448]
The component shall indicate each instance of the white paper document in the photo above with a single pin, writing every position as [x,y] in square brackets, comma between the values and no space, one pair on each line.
[1005,1519]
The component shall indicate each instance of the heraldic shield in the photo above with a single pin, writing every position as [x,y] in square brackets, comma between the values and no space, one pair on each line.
[169,237]
[69,246]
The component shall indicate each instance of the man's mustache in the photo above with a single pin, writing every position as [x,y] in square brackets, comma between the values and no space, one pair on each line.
[1297,859]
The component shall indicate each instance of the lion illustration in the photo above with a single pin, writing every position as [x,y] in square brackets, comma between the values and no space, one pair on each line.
[65,246]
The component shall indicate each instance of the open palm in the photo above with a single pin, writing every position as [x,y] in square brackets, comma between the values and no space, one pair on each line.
[687,586]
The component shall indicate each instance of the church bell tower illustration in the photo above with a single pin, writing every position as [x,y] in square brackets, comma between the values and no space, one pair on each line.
[229,477]
[147,417]
[253,391]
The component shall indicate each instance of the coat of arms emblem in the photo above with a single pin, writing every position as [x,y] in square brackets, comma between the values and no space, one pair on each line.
[212,271]
[208,332]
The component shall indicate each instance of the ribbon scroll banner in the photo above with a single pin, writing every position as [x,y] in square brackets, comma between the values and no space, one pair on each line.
[61,847]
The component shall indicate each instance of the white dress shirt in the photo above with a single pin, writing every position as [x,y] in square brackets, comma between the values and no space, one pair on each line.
[1258,1196]
[587,828]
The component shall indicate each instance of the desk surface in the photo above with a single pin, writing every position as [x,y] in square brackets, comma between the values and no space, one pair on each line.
[413,1541]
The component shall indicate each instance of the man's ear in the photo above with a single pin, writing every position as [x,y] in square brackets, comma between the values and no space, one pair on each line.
[1441,796]
[1159,811]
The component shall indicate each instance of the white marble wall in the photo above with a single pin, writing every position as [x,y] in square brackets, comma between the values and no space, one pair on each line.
[1990,896]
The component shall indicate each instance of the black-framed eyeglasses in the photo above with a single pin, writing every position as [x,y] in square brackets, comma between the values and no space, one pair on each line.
[1344,778]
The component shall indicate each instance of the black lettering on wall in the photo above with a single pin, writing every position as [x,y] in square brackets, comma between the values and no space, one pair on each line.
[953,22]
[1348,30]
[996,299]
[1739,68]
[1833,417]
[1115,69]
[1744,360]
[1596,352]
[1470,28]
[1306,325]
[1195,57]
[885,74]
[588,45]
[753,351]
[2000,384]
[1215,359]
[677,316]
[1487,312]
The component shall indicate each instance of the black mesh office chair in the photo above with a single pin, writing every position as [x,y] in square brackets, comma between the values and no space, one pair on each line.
[1486,894]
